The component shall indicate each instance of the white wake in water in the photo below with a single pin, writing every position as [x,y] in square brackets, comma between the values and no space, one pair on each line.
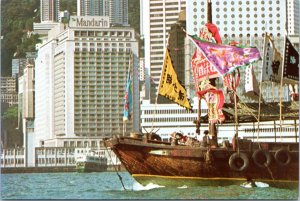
[138,187]
[257,184]
[184,186]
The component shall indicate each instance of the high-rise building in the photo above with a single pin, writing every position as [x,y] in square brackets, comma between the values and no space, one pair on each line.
[239,18]
[293,17]
[8,91]
[117,10]
[17,66]
[92,7]
[158,17]
[49,10]
[80,78]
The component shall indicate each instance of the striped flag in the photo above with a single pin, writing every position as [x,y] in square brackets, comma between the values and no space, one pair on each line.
[128,99]
[251,84]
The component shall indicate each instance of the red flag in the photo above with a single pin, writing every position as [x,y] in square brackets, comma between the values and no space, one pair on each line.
[215,32]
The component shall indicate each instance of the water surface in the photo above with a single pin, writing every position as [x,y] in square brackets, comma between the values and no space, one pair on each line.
[107,185]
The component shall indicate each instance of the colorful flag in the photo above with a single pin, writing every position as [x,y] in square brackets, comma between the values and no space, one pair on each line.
[170,87]
[226,58]
[202,69]
[214,99]
[291,63]
[251,84]
[272,61]
[128,99]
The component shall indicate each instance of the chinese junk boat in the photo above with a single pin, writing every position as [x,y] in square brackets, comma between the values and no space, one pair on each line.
[150,160]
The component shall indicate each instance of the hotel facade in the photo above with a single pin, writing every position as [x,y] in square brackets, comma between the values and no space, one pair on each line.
[80,78]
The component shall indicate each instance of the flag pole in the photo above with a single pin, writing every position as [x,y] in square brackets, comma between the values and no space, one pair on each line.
[281,86]
[212,126]
[128,74]
[159,84]
[260,86]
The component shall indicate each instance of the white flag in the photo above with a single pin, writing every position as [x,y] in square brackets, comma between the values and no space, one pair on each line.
[271,61]
[251,84]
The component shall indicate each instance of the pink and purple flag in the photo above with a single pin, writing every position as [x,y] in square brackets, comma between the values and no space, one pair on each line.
[226,58]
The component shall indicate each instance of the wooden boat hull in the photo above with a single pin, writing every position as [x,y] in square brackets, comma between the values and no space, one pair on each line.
[165,164]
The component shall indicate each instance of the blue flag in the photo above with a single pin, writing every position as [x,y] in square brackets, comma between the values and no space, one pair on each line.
[128,99]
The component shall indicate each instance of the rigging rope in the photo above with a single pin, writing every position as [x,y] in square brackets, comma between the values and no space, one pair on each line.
[115,168]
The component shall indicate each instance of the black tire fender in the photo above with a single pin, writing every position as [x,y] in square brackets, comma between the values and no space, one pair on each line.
[258,154]
[155,137]
[233,160]
[283,157]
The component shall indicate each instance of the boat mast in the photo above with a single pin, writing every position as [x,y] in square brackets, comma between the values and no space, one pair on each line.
[209,19]
[212,126]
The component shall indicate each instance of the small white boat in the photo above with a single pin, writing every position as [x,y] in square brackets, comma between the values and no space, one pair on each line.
[90,160]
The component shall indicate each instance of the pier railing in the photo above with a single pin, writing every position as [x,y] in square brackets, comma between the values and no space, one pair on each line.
[46,157]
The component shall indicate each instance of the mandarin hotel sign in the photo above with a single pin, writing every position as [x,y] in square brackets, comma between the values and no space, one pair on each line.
[89,21]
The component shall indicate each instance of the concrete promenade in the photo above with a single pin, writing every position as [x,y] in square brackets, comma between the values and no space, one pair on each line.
[7,170]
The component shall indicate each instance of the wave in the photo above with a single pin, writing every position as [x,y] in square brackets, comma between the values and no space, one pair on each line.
[138,187]
[255,184]
[184,186]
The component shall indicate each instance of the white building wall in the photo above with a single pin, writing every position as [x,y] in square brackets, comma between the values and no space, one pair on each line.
[69,83]
[169,118]
[44,93]
[293,17]
[238,17]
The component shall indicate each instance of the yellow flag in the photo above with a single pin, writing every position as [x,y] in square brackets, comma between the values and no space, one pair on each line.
[170,87]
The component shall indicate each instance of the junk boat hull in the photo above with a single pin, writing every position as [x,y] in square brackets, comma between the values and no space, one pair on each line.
[152,161]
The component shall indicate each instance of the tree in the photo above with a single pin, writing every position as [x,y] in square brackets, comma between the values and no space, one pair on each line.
[10,133]
[17,17]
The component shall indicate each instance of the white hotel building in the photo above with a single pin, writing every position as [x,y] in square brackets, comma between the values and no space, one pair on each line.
[80,77]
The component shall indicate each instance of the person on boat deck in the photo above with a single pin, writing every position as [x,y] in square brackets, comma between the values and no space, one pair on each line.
[234,141]
[205,139]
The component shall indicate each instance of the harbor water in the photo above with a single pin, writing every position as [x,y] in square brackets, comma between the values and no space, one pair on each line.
[107,185]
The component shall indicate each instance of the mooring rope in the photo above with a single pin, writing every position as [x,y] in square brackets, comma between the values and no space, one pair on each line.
[115,168]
